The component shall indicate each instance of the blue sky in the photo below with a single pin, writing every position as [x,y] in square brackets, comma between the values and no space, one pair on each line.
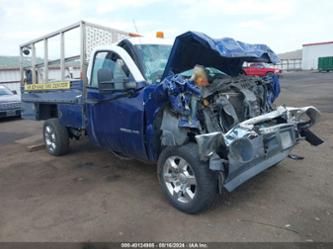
[283,25]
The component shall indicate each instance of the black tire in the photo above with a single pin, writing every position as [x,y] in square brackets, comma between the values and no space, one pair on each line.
[206,180]
[60,138]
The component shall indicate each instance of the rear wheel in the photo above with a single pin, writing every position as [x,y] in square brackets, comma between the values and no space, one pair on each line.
[187,182]
[56,137]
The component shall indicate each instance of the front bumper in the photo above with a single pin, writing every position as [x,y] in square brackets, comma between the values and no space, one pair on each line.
[256,144]
[10,113]
[10,109]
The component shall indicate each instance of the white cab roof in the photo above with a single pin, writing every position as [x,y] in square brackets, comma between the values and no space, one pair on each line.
[146,40]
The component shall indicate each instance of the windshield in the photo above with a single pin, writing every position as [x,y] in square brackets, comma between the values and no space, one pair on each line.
[4,91]
[154,59]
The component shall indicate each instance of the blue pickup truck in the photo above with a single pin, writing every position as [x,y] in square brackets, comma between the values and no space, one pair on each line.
[185,105]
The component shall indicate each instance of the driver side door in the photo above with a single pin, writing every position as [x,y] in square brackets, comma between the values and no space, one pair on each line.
[115,117]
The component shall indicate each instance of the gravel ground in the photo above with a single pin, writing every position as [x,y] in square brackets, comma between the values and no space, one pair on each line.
[89,195]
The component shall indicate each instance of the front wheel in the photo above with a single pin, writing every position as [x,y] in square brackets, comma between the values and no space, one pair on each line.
[56,137]
[187,182]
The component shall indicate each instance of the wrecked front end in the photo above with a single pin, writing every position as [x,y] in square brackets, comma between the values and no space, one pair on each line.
[257,143]
[234,124]
[230,116]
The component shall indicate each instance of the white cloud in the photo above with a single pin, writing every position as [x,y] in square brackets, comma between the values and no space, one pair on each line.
[21,21]
[199,8]
[126,25]
[68,3]
[253,24]
[107,6]
[20,34]
[284,25]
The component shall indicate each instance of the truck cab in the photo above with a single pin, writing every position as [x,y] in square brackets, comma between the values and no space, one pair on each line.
[120,78]
[184,105]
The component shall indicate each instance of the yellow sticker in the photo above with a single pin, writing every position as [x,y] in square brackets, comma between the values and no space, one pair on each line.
[48,86]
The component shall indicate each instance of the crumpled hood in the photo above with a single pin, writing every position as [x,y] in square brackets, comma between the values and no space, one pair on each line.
[227,54]
[10,98]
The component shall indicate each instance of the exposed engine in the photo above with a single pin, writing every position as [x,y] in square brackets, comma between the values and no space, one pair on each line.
[209,102]
[230,100]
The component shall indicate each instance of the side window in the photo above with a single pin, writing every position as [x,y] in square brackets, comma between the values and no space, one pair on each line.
[99,60]
[118,71]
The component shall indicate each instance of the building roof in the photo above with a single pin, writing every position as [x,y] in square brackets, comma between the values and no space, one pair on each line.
[296,54]
[317,43]
[9,62]
[13,62]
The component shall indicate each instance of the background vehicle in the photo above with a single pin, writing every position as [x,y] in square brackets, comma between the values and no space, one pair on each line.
[133,100]
[260,69]
[10,103]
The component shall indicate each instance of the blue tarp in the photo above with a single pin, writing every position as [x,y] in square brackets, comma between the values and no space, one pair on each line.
[227,54]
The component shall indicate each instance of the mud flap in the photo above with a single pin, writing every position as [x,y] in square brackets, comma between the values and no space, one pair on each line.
[311,137]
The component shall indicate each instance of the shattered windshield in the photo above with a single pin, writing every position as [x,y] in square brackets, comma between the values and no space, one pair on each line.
[154,59]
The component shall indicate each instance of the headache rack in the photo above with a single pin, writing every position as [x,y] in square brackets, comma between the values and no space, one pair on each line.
[36,69]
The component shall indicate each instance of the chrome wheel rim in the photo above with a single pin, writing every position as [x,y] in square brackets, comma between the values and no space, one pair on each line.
[179,179]
[50,138]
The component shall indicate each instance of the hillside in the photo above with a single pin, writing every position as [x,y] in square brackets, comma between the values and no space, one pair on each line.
[296,54]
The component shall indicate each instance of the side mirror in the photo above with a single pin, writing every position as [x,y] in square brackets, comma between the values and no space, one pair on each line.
[106,82]
[14,92]
[105,79]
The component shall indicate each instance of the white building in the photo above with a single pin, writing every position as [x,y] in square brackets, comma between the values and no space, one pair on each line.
[10,72]
[312,51]
[10,78]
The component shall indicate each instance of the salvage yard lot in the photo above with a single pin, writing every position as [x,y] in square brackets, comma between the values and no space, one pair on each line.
[91,195]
